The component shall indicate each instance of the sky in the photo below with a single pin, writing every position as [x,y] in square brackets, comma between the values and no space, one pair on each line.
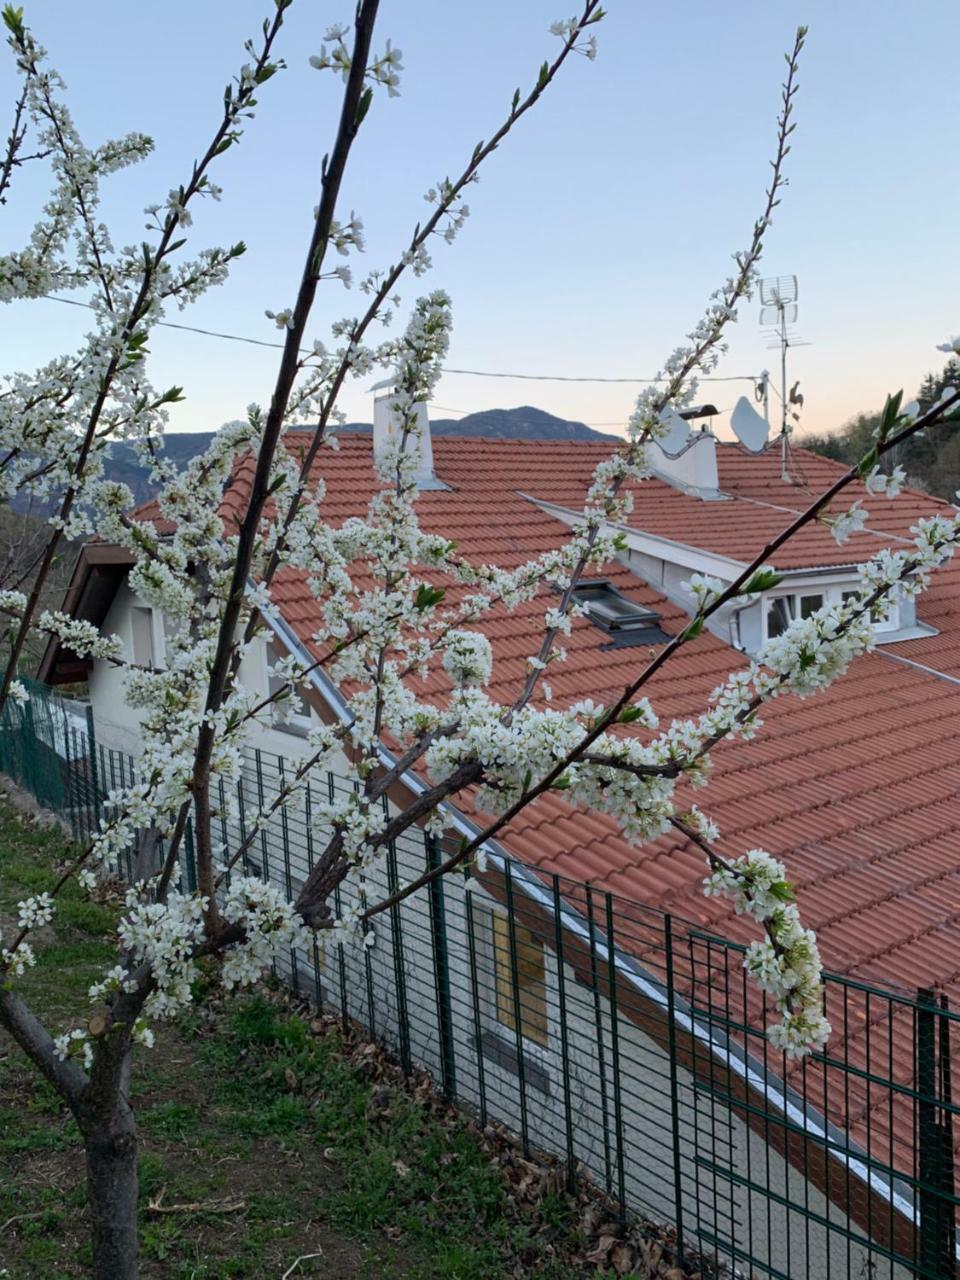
[598,229]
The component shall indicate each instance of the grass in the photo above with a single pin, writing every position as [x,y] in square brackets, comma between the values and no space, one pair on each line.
[264,1136]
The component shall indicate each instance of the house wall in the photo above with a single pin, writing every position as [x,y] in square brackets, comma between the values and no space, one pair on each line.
[117,726]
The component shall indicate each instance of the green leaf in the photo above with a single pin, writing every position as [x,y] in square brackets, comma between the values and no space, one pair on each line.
[694,629]
[868,461]
[889,417]
[544,75]
[427,596]
[13,20]
[516,100]
[629,714]
[363,106]
[762,580]
[223,145]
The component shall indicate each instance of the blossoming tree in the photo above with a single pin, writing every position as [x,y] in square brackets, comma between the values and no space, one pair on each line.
[386,624]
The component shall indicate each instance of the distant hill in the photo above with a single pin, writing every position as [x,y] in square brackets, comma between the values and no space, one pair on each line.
[524,423]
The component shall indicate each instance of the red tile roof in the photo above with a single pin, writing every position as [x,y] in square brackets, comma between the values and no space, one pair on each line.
[858,789]
[758,503]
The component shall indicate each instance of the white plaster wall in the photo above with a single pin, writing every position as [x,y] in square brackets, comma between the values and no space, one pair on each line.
[115,725]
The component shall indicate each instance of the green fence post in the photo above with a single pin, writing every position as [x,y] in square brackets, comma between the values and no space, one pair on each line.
[475,998]
[598,1020]
[937,1231]
[191,857]
[396,933]
[564,1040]
[441,970]
[674,1083]
[517,1008]
[615,1051]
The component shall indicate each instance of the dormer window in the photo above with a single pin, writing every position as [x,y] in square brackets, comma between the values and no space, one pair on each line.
[781,610]
[622,618]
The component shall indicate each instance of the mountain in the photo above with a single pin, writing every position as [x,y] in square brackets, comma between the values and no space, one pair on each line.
[524,423]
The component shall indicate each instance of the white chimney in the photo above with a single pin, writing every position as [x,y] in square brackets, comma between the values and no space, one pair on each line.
[386,428]
[693,468]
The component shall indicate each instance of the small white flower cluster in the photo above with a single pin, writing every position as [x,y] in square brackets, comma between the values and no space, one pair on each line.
[890,486]
[270,926]
[18,692]
[34,913]
[468,658]
[787,964]
[17,960]
[704,588]
[569,29]
[80,636]
[74,1044]
[847,523]
[385,70]
[337,57]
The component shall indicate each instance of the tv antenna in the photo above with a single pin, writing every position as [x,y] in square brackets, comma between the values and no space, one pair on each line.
[778,313]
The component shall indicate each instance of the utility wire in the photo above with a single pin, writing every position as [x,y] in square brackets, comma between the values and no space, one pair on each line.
[472,373]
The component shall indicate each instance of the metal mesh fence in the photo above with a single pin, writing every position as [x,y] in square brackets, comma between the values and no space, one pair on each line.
[617,1036]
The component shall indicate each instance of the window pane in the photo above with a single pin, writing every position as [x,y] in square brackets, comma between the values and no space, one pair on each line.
[810,604]
[142,628]
[293,704]
[612,610]
[530,980]
[779,616]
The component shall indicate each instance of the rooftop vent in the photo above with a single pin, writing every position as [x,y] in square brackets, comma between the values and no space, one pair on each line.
[622,618]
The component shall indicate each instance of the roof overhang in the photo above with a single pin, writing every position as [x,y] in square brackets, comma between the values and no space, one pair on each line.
[98,572]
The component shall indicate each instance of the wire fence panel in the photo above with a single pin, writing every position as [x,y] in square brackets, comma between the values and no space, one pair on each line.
[624,1040]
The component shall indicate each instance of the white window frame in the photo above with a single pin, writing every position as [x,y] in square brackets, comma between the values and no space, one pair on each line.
[145,614]
[169,627]
[299,723]
[830,592]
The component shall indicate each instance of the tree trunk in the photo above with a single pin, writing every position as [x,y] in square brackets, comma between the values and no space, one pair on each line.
[111,1151]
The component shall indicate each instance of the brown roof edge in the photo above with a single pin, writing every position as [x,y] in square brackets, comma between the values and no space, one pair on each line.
[58,665]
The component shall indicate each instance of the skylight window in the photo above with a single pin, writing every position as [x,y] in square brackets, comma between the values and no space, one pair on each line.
[613,612]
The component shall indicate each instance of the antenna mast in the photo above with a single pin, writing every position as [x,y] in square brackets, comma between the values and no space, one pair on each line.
[778,300]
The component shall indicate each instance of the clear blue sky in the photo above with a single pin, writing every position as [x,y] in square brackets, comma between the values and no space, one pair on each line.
[597,231]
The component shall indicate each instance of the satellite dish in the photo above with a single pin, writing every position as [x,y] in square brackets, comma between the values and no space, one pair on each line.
[749,428]
[676,432]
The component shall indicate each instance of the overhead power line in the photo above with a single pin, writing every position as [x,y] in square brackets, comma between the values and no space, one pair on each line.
[472,373]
